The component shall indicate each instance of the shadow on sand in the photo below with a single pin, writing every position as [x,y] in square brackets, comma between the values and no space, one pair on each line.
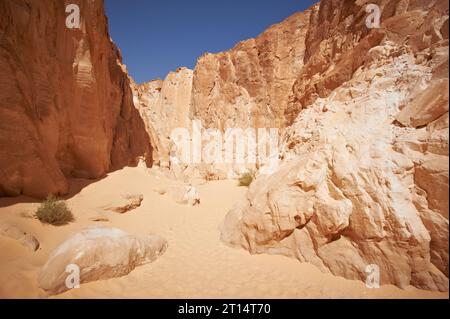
[76,185]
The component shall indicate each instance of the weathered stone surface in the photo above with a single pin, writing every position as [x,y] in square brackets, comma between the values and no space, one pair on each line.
[125,204]
[14,232]
[164,106]
[365,142]
[355,189]
[100,253]
[187,195]
[363,115]
[432,176]
[338,42]
[249,85]
[64,98]
[427,106]
[181,194]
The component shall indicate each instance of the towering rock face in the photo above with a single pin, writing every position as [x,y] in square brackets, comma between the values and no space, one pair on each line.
[250,85]
[353,191]
[363,114]
[66,107]
[164,106]
[338,41]
[365,174]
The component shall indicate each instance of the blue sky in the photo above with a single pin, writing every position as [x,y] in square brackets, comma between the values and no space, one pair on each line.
[156,37]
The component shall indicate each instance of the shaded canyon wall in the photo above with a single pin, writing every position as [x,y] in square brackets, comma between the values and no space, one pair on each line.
[66,107]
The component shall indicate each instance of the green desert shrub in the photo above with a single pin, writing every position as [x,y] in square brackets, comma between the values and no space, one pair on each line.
[246,179]
[54,211]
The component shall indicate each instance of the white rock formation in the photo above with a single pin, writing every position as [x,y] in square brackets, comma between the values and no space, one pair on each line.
[356,189]
[183,194]
[99,253]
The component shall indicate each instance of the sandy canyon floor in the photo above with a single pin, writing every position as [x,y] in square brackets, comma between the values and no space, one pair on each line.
[196,264]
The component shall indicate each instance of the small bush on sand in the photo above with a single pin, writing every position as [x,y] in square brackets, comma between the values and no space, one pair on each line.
[54,211]
[246,179]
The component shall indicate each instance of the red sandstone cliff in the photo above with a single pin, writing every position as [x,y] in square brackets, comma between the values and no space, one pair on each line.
[66,108]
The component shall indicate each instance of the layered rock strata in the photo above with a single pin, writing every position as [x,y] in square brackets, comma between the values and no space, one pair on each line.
[364,179]
[66,107]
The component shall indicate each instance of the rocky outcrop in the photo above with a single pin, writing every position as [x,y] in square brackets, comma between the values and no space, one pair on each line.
[268,80]
[125,204]
[364,119]
[185,195]
[426,106]
[356,189]
[66,108]
[181,194]
[250,85]
[247,86]
[164,106]
[338,41]
[99,253]
[363,115]
[24,238]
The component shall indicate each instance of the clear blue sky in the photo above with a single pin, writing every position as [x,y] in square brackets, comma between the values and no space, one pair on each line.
[158,36]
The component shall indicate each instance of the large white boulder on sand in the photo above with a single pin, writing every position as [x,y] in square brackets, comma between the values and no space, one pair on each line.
[100,253]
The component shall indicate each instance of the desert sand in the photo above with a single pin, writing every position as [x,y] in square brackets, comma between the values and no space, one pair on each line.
[196,264]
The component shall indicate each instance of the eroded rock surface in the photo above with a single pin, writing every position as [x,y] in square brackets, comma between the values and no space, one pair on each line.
[181,194]
[363,114]
[165,106]
[186,195]
[125,204]
[355,188]
[100,253]
[66,107]
[250,85]
[14,232]
[365,173]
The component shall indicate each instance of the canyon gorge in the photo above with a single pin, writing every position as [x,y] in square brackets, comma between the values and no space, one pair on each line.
[362,165]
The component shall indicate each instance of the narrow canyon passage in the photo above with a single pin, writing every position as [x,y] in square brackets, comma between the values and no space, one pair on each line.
[332,116]
[196,264]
